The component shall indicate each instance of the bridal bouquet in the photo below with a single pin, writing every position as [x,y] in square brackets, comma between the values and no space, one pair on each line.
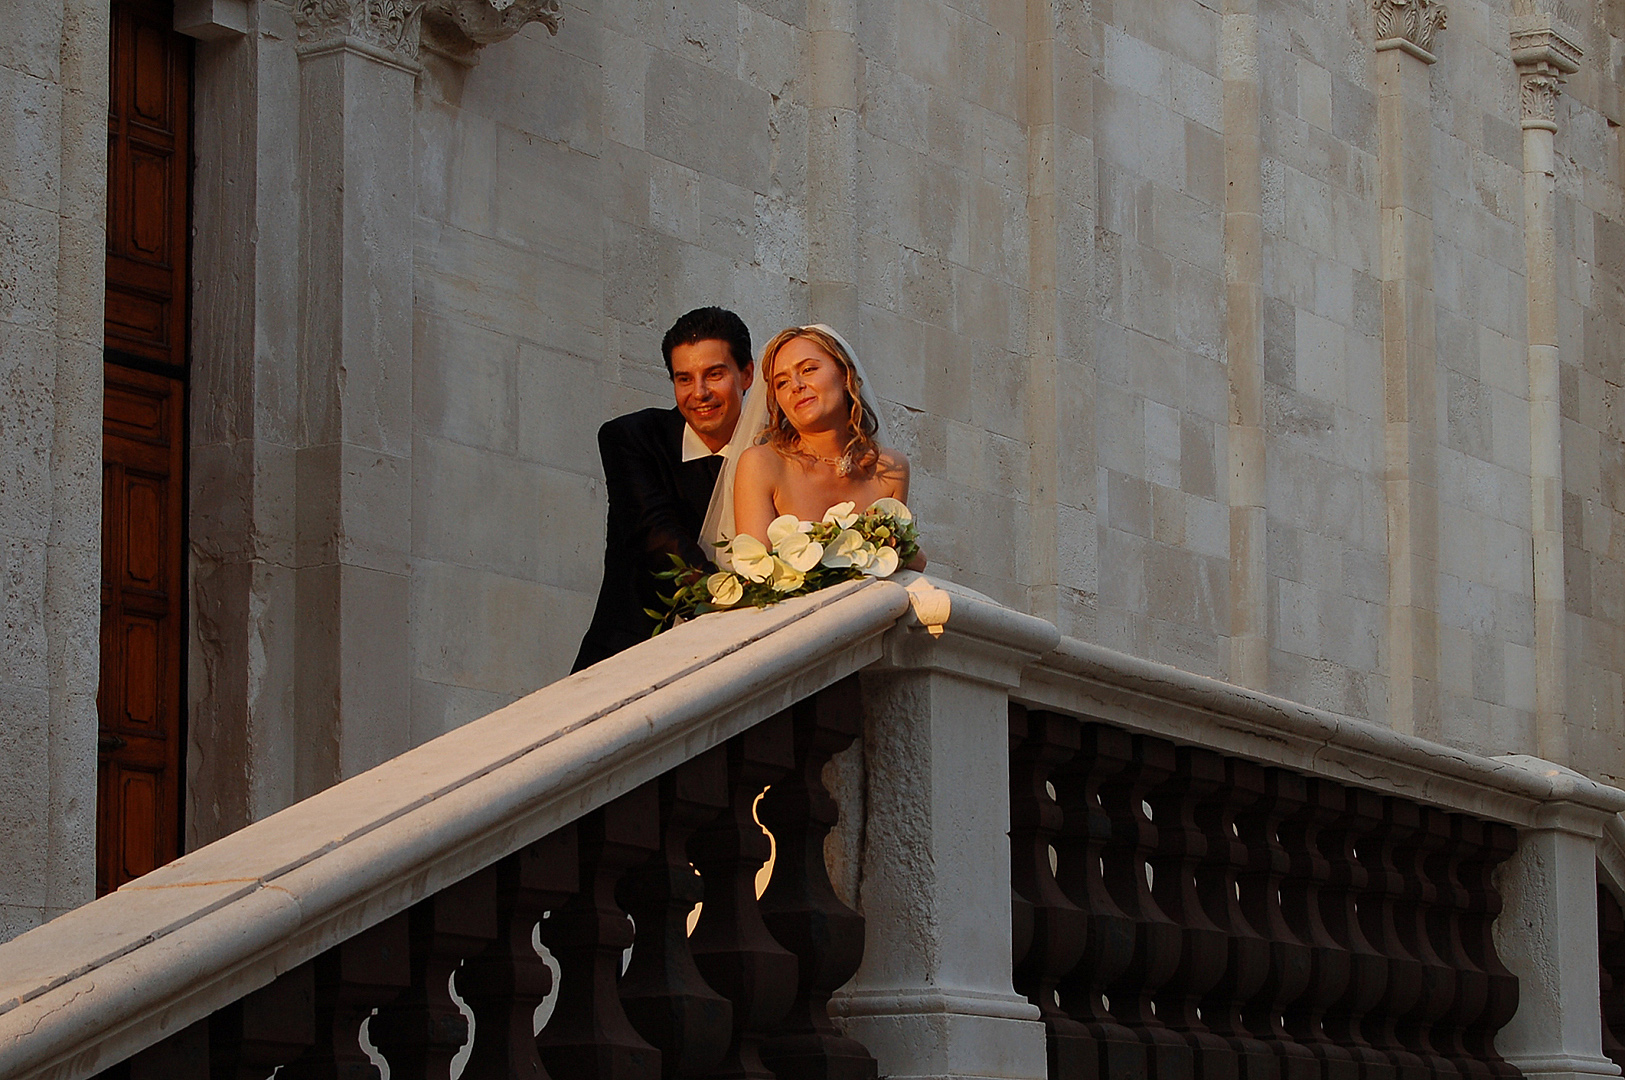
[800,557]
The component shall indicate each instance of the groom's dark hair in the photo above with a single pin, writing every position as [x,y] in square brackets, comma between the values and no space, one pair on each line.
[709,324]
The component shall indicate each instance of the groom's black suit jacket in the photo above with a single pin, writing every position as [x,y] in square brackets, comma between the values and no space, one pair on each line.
[657,504]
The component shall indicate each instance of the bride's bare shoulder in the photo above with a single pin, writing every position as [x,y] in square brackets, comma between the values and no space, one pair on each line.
[759,461]
[891,463]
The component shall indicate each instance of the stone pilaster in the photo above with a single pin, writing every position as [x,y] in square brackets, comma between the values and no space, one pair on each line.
[1244,344]
[302,401]
[832,165]
[1544,53]
[1405,32]
[357,73]
[1042,415]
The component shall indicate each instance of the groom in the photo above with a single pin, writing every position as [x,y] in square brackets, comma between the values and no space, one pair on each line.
[659,468]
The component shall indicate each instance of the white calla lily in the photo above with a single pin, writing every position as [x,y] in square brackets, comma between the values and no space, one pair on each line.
[800,551]
[784,526]
[893,508]
[842,514]
[750,557]
[725,589]
[786,578]
[883,564]
[847,549]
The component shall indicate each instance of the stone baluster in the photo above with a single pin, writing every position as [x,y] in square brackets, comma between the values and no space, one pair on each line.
[1267,869]
[1402,989]
[1445,927]
[1204,948]
[1056,929]
[800,907]
[1611,973]
[1247,964]
[1412,915]
[731,945]
[1342,842]
[662,991]
[1109,945]
[422,1030]
[1302,906]
[354,978]
[589,1035]
[250,1038]
[505,983]
[1496,844]
[1127,854]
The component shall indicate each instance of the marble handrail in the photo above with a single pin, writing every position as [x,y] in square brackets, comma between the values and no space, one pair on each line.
[108,979]
[1156,699]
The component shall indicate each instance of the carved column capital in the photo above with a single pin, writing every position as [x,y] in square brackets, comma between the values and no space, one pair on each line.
[388,28]
[1409,25]
[458,28]
[394,30]
[1544,51]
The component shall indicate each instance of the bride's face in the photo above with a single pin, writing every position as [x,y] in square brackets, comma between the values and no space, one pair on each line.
[810,386]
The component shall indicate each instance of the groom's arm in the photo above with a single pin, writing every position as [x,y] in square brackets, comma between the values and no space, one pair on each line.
[637,483]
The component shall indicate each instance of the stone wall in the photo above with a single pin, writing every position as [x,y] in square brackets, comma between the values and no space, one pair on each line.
[1590,234]
[53,207]
[1120,273]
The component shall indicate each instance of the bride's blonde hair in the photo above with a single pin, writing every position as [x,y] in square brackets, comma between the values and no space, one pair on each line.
[861,449]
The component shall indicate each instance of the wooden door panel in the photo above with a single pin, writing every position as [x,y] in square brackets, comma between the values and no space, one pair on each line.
[152,97]
[143,664]
[137,410]
[144,520]
[150,184]
[139,801]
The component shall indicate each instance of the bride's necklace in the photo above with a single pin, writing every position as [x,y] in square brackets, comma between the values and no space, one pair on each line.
[842,464]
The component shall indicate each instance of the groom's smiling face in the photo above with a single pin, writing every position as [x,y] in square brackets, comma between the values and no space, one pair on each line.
[710,390]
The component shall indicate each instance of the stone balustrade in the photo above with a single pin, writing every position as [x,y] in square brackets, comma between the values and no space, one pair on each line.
[1074,864]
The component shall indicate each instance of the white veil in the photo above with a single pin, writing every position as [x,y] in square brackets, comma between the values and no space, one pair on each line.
[719,516]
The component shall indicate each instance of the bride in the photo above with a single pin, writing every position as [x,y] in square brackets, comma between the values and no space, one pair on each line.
[810,436]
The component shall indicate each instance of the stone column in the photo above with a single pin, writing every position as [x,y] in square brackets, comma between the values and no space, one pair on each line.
[1546,935]
[1405,30]
[933,997]
[1244,343]
[1543,55]
[832,165]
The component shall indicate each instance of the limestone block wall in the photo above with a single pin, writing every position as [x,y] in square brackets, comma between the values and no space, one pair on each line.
[1120,274]
[53,200]
[1589,213]
[575,194]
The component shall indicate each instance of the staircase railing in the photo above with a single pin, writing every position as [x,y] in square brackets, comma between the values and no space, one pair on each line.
[1060,861]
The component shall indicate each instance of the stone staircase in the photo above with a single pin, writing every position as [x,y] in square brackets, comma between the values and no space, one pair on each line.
[1040,858]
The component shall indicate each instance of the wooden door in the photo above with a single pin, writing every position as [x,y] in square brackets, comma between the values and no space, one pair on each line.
[141,698]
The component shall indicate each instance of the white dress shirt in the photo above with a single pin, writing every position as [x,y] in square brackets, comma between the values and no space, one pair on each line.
[694,447]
